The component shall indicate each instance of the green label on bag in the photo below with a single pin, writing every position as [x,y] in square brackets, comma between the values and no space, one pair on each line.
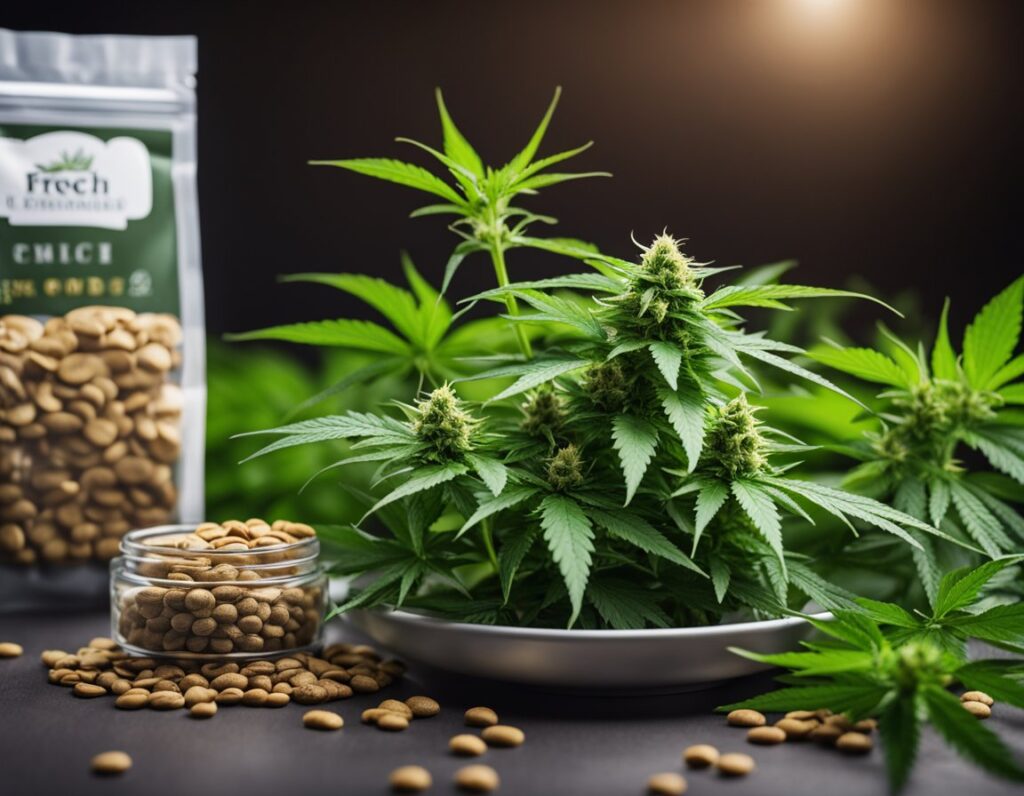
[86,217]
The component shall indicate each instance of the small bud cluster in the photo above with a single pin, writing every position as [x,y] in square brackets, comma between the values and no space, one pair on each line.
[543,414]
[565,469]
[734,445]
[444,426]
[665,264]
[607,386]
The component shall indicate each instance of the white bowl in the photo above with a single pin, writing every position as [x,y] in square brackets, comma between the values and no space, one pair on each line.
[596,660]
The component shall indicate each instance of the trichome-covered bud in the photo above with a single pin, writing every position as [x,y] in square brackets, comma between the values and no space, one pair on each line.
[444,426]
[735,446]
[607,386]
[543,414]
[664,263]
[565,469]
[916,663]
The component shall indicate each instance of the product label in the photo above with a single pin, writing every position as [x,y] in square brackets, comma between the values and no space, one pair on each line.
[86,217]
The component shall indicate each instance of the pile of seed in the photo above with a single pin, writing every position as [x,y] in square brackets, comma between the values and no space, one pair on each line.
[102,668]
[821,726]
[89,431]
[236,615]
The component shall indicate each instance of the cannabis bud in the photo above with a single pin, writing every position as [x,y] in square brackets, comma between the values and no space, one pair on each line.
[444,426]
[607,386]
[919,662]
[734,444]
[565,469]
[665,264]
[543,414]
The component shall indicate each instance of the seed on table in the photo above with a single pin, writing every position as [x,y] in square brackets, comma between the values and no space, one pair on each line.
[254,697]
[840,721]
[87,691]
[229,680]
[166,700]
[854,743]
[977,709]
[111,763]
[795,729]
[322,720]
[746,718]
[131,701]
[370,715]
[230,696]
[309,694]
[409,779]
[766,736]
[826,734]
[277,700]
[802,715]
[423,707]
[977,696]
[667,784]
[393,722]
[203,710]
[364,684]
[50,657]
[865,725]
[735,764]
[503,735]
[479,779]
[8,649]
[700,755]
[481,717]
[467,745]
[396,707]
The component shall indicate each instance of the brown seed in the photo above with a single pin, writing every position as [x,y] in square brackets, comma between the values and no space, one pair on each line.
[701,755]
[503,735]
[203,710]
[865,725]
[477,778]
[322,720]
[392,722]
[467,745]
[130,701]
[166,700]
[735,764]
[795,729]
[109,763]
[977,709]
[362,684]
[826,734]
[230,696]
[766,736]
[746,718]
[277,700]
[667,784]
[396,707]
[309,694]
[854,743]
[977,696]
[229,680]
[87,691]
[410,779]
[8,649]
[423,707]
[481,717]
[255,697]
[802,715]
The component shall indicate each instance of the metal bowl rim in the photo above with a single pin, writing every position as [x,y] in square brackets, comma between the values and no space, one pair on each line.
[555,634]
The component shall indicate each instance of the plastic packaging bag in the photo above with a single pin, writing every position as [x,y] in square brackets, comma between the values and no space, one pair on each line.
[102,367]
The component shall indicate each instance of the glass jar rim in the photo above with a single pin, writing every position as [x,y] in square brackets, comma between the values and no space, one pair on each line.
[133,545]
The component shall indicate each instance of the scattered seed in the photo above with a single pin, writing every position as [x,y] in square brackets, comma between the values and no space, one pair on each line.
[87,691]
[795,729]
[423,707]
[802,715]
[166,700]
[128,701]
[8,649]
[826,734]
[503,735]
[854,743]
[277,700]
[467,745]
[364,684]
[746,718]
[977,696]
[481,717]
[840,721]
[735,764]
[322,720]
[766,736]
[410,779]
[477,778]
[667,784]
[701,755]
[111,763]
[865,725]
[395,706]
[203,710]
[392,722]
[977,709]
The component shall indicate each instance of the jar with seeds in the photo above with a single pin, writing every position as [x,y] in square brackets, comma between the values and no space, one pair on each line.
[235,589]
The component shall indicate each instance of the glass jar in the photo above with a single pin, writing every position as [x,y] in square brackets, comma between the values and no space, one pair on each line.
[215,603]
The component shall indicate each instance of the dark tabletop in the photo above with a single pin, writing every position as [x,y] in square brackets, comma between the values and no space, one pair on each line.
[574,744]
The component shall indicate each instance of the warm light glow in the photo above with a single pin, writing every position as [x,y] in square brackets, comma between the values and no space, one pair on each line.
[821,5]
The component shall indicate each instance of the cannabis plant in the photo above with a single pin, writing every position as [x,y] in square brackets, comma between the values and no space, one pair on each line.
[882,661]
[934,411]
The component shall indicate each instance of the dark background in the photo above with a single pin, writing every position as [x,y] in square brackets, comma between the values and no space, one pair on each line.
[864,137]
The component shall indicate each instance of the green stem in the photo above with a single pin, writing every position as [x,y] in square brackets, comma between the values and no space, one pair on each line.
[489,543]
[501,272]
